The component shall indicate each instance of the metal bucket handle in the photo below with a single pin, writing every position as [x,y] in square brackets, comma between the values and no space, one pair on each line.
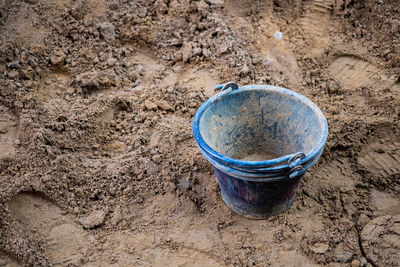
[227,85]
[296,168]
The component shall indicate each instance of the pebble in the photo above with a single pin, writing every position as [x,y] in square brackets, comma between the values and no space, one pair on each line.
[151,167]
[70,91]
[89,79]
[117,216]
[112,62]
[3,130]
[107,31]
[13,64]
[58,57]
[344,257]
[186,52]
[215,2]
[12,74]
[184,184]
[355,263]
[197,51]
[395,25]
[320,248]
[150,105]
[95,219]
[164,105]
[32,62]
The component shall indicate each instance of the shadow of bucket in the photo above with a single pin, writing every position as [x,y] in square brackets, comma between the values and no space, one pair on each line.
[266,120]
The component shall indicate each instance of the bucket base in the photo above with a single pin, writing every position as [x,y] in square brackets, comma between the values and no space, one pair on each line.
[257,216]
[257,200]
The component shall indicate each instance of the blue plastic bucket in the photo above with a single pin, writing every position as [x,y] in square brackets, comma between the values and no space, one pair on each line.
[260,141]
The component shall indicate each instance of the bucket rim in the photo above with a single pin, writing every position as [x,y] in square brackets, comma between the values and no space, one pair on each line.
[282,168]
[266,163]
[259,177]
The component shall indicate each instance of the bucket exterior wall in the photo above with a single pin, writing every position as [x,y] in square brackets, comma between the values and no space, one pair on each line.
[259,189]
[257,200]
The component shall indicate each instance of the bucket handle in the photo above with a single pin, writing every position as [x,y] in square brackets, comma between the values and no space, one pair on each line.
[296,169]
[295,159]
[227,85]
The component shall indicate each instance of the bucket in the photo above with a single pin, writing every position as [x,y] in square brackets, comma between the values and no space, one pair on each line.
[260,141]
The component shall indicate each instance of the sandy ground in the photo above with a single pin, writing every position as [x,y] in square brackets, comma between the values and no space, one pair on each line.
[98,166]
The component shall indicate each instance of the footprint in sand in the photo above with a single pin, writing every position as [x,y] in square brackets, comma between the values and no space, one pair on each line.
[385,203]
[353,72]
[380,240]
[382,156]
[316,20]
[337,172]
[65,241]
[147,252]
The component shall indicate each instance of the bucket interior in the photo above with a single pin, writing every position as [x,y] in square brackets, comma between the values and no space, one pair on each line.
[258,125]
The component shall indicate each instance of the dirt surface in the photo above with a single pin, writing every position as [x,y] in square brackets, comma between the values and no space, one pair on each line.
[98,166]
